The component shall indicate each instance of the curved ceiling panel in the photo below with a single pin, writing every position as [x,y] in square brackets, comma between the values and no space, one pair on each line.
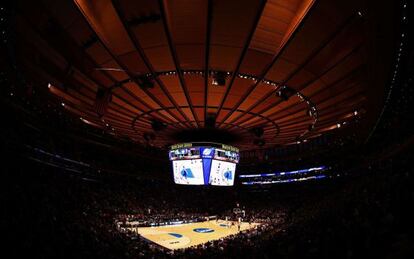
[292,68]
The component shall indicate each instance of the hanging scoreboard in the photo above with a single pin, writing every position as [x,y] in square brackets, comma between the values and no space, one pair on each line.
[204,163]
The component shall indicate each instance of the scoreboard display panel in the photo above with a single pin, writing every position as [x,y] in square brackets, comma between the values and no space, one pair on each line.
[204,164]
[188,171]
[222,173]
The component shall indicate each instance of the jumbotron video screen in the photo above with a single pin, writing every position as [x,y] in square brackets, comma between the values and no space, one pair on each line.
[204,164]
[188,171]
[222,173]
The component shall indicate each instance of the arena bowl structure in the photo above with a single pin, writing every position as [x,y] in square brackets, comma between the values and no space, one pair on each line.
[206,128]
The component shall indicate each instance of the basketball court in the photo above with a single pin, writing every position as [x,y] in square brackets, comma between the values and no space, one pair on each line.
[191,234]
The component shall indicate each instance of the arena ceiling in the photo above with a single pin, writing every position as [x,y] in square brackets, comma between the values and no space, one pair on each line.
[263,73]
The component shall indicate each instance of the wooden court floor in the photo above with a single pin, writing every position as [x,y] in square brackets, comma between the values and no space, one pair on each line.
[191,234]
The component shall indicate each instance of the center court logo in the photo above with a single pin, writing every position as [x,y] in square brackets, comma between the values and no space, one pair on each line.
[203,230]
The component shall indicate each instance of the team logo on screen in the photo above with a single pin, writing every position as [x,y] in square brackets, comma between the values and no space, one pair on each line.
[228,175]
[207,152]
[203,230]
[187,173]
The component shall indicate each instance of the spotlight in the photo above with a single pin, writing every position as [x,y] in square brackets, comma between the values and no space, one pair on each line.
[145,82]
[219,78]
[158,125]
[258,131]
[210,120]
[284,93]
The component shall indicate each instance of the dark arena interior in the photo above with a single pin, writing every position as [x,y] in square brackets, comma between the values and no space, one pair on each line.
[206,128]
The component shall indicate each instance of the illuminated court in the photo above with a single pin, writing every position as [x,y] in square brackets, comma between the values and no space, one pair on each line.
[191,234]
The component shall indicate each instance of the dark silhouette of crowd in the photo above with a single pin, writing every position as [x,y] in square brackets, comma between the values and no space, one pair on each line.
[49,213]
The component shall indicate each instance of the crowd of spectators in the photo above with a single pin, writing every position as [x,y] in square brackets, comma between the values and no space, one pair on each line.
[49,213]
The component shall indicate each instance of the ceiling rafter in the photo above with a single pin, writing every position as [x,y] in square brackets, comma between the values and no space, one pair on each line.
[319,102]
[144,58]
[264,110]
[332,114]
[331,117]
[299,68]
[207,56]
[86,56]
[299,88]
[331,121]
[242,55]
[164,18]
[300,116]
[296,121]
[273,123]
[83,73]
[316,51]
[237,126]
[328,82]
[270,65]
[139,100]
[124,68]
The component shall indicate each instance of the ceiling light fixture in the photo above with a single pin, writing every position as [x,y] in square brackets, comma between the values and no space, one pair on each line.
[219,78]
